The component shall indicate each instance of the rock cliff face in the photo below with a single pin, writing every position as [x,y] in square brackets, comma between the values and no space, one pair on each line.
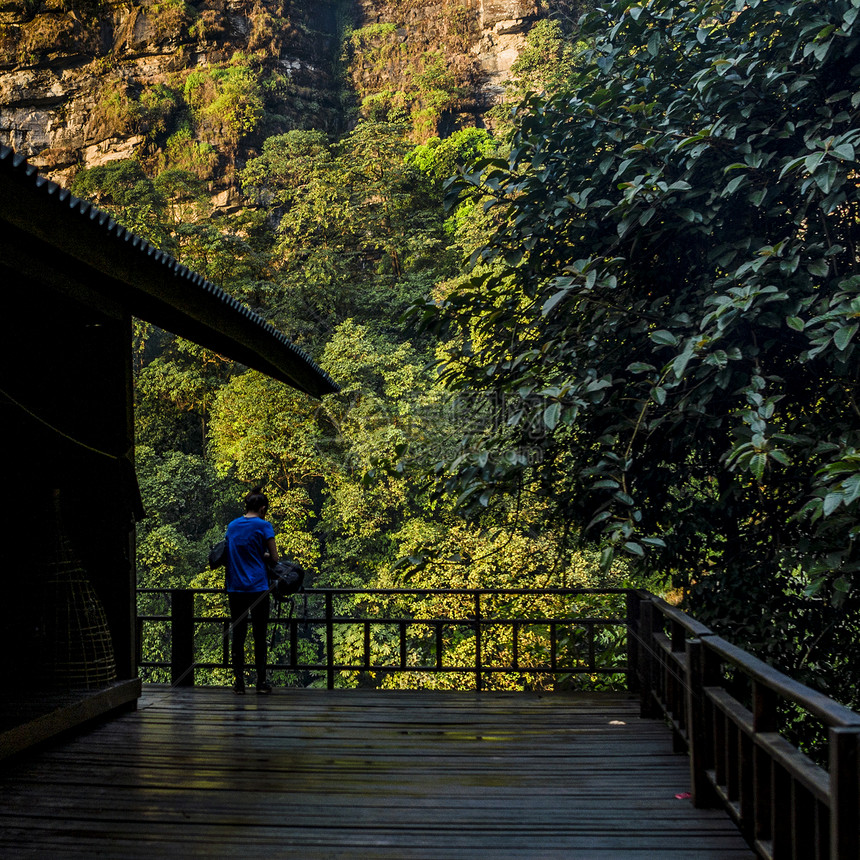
[504,25]
[479,40]
[198,85]
[171,84]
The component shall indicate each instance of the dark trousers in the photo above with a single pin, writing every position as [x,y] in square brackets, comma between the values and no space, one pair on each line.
[242,605]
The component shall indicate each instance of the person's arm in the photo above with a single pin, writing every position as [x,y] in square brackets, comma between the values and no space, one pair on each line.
[272,550]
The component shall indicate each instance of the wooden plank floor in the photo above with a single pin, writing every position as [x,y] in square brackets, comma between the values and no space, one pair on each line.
[350,774]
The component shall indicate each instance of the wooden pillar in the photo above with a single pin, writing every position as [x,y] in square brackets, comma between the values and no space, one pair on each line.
[127,654]
[182,637]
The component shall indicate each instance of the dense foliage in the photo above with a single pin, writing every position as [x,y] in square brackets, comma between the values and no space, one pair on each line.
[642,310]
[667,317]
[338,239]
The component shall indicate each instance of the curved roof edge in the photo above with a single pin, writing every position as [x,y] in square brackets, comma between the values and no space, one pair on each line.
[152,285]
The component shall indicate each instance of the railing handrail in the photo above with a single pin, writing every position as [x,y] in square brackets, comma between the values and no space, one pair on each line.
[415,619]
[828,710]
[690,624]
[369,590]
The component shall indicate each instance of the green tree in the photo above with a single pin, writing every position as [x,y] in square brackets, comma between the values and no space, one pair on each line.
[174,390]
[440,159]
[338,238]
[546,62]
[358,234]
[669,317]
[130,195]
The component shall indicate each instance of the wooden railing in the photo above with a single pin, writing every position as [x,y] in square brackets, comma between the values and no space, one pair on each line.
[349,635]
[725,708]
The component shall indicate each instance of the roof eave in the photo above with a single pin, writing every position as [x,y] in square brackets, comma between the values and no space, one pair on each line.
[148,281]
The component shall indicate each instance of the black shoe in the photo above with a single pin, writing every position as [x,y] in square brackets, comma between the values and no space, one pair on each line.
[264,688]
[239,688]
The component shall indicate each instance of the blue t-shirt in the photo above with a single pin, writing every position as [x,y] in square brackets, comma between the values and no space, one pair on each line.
[246,543]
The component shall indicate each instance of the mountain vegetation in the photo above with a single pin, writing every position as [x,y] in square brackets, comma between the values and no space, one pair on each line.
[611,342]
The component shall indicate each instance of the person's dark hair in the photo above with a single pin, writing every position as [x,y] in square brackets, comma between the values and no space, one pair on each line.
[255,501]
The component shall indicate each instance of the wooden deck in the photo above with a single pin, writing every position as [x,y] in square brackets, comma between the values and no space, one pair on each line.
[200,772]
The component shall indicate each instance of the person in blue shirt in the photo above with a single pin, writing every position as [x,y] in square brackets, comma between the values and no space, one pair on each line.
[250,549]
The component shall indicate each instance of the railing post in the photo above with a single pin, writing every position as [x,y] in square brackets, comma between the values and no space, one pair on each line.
[182,637]
[632,601]
[592,652]
[294,642]
[329,640]
[760,806]
[647,626]
[700,744]
[478,655]
[845,793]
[439,646]
[676,688]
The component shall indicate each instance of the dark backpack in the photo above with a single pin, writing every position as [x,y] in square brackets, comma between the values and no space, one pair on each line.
[286,578]
[218,555]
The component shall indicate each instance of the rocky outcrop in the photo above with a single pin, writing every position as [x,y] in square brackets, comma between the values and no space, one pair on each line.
[504,26]
[84,86]
[199,87]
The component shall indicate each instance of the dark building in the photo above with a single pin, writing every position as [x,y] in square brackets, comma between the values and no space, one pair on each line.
[71,281]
